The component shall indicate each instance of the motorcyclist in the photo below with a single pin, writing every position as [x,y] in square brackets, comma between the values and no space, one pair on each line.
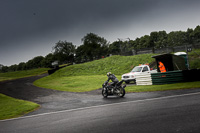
[113,78]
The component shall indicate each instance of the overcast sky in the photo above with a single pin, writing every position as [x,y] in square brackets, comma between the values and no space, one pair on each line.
[30,28]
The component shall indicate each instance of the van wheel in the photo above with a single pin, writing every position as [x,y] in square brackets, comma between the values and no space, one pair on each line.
[127,82]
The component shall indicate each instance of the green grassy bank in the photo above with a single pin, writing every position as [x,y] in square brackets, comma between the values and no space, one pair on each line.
[11,107]
[22,74]
[90,76]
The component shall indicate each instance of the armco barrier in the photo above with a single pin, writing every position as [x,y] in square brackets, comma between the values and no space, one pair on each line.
[167,77]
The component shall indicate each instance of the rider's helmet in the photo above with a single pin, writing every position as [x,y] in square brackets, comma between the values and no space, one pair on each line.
[109,73]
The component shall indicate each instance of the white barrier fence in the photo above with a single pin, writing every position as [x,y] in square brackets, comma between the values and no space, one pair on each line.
[144,79]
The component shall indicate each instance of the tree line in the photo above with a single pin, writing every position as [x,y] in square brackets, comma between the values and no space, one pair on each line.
[96,47]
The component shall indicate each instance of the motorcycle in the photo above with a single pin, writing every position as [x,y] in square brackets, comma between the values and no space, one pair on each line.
[109,89]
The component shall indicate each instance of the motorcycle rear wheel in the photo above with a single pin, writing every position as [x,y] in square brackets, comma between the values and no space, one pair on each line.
[122,92]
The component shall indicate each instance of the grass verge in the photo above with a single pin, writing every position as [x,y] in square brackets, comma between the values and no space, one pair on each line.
[93,82]
[11,107]
[22,74]
[72,83]
[176,86]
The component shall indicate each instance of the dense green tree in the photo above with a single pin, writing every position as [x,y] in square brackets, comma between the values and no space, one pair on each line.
[161,40]
[115,48]
[5,69]
[137,43]
[1,67]
[196,34]
[13,68]
[94,46]
[189,36]
[153,39]
[80,54]
[29,64]
[176,38]
[36,62]
[124,46]
[21,66]
[64,51]
[144,41]
[131,45]
[48,60]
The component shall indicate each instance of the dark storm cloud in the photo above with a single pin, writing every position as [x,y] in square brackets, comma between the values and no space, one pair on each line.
[34,26]
[22,18]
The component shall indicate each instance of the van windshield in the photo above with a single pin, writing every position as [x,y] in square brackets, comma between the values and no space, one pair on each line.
[136,69]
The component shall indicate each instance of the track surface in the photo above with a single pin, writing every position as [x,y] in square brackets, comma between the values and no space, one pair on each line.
[168,111]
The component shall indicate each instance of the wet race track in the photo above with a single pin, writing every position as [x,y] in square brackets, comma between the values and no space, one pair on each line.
[167,111]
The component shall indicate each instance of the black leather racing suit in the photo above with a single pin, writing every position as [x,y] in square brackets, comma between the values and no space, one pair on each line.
[113,79]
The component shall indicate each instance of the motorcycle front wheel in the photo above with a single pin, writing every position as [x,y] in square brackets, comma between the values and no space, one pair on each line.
[104,93]
[122,92]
